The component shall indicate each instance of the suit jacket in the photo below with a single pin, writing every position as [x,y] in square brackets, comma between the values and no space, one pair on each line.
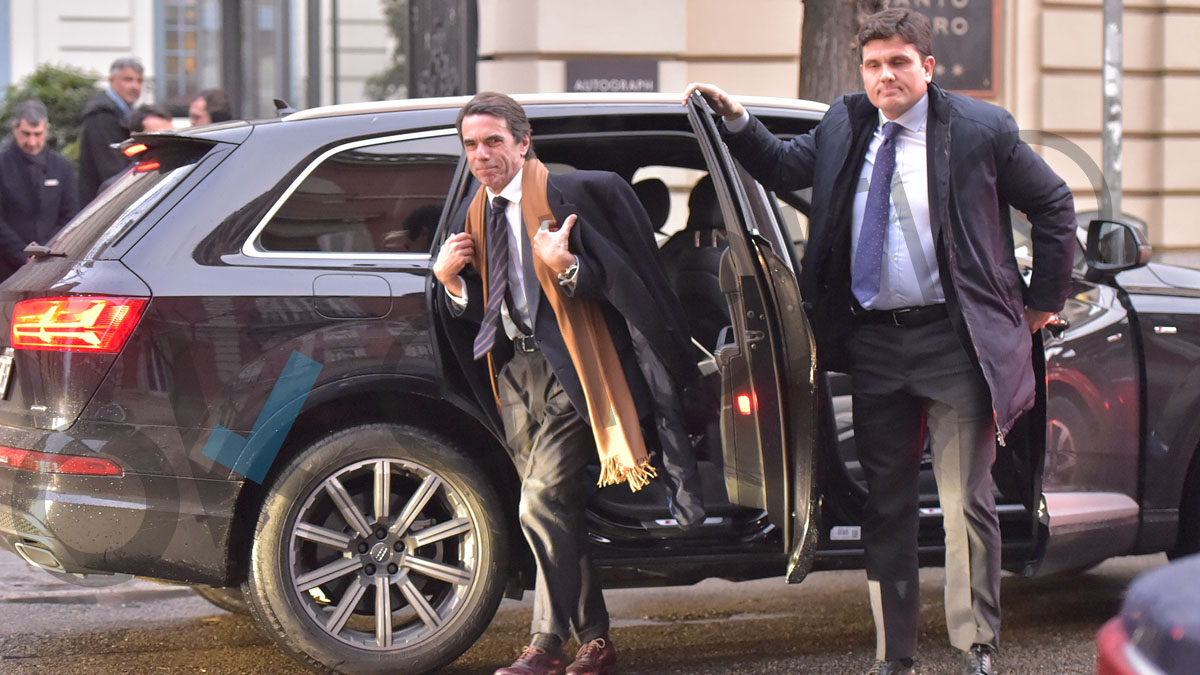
[978,166]
[619,267]
[36,199]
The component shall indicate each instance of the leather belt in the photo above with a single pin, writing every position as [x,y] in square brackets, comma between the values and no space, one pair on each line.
[907,317]
[525,343]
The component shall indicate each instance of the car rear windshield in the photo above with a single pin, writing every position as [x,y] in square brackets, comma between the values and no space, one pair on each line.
[123,203]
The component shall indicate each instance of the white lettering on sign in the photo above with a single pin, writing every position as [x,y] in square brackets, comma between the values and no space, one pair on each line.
[929,4]
[612,84]
[957,26]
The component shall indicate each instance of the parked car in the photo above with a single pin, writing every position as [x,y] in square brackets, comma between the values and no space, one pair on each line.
[230,370]
[1157,631]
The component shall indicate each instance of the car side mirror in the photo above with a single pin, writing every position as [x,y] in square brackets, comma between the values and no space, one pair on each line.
[1114,246]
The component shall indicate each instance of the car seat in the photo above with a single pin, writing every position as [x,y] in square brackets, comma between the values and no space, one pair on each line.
[693,260]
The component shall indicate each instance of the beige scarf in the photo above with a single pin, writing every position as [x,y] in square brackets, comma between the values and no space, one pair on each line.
[615,426]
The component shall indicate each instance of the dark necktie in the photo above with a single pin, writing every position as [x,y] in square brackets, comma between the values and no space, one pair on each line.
[868,258]
[497,264]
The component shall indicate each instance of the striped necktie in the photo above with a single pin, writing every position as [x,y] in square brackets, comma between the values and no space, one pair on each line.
[497,263]
[868,259]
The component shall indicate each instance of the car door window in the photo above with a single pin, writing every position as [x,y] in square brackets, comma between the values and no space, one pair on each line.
[376,196]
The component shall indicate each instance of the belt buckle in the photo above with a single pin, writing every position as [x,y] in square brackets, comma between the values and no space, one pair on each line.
[897,314]
[526,343]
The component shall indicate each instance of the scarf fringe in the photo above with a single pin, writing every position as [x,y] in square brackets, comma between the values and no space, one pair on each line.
[638,477]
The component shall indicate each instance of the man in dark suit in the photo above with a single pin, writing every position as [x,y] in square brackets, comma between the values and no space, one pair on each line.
[37,187]
[911,283]
[564,276]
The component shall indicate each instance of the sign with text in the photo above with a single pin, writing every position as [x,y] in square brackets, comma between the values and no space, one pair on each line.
[612,75]
[966,42]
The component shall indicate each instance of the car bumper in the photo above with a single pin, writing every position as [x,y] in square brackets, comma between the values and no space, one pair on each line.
[160,527]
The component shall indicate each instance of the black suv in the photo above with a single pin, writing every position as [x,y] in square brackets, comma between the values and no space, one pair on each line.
[231,370]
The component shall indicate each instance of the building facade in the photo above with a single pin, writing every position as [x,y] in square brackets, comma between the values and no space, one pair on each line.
[1043,63]
[307,52]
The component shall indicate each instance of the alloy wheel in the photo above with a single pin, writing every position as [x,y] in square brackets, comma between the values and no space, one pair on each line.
[383,554]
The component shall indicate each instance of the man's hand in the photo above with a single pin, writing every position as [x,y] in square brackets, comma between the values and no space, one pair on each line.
[1037,319]
[718,100]
[455,254]
[551,247]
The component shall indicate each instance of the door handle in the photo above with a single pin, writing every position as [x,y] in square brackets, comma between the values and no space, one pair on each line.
[1057,324]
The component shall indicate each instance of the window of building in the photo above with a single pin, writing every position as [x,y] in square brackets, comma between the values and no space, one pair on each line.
[188,57]
[381,197]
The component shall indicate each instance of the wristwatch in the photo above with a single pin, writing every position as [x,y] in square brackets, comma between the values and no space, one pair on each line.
[569,275]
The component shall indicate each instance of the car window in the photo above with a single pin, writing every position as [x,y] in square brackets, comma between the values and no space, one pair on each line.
[123,204]
[379,196]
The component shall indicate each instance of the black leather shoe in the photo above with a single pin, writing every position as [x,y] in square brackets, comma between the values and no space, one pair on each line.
[981,660]
[890,668]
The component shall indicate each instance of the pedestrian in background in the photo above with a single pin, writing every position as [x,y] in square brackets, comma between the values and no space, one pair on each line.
[105,122]
[150,118]
[37,187]
[209,106]
[912,286]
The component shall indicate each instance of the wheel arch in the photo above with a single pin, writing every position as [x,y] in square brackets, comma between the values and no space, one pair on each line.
[376,399]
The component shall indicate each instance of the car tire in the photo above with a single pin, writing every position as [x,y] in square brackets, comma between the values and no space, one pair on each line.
[229,599]
[436,557]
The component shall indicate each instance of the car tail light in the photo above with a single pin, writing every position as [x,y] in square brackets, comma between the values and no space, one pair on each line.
[134,149]
[148,165]
[46,462]
[81,323]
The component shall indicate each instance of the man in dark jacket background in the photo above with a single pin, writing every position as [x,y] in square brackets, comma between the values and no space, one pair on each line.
[106,121]
[37,187]
[912,286]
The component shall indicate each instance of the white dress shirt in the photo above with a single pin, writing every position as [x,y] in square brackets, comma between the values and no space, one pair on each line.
[516,261]
[910,274]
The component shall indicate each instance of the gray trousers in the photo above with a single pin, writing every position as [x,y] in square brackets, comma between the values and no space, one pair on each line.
[909,381]
[551,447]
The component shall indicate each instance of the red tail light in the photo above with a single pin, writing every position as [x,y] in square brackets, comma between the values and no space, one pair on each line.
[46,462]
[744,404]
[134,149]
[76,324]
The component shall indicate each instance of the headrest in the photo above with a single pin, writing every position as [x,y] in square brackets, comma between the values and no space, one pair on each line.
[704,212]
[656,199]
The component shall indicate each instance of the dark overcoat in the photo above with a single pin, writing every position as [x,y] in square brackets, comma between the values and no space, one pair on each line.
[978,167]
[104,123]
[619,266]
[37,197]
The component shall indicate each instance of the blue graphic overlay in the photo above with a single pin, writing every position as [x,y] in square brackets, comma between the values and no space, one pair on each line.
[252,456]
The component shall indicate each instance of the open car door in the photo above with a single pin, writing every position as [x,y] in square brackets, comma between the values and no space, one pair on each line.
[766,358]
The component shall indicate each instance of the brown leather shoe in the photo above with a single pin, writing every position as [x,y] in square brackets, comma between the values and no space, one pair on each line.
[536,661]
[594,658]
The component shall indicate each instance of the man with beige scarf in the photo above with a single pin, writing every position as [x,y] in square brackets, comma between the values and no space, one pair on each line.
[587,351]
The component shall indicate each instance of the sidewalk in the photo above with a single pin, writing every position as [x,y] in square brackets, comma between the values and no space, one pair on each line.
[24,583]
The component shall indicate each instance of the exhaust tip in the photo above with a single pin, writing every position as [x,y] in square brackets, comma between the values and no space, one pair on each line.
[39,557]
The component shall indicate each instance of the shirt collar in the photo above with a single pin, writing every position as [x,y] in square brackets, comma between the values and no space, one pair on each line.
[124,107]
[511,192]
[912,119]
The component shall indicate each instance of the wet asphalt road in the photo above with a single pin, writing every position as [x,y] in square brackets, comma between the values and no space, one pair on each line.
[761,627]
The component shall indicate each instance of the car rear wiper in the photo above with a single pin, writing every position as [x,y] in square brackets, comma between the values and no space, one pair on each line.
[37,252]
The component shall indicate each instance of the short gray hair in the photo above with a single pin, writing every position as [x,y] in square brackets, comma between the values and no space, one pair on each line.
[31,111]
[126,62]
